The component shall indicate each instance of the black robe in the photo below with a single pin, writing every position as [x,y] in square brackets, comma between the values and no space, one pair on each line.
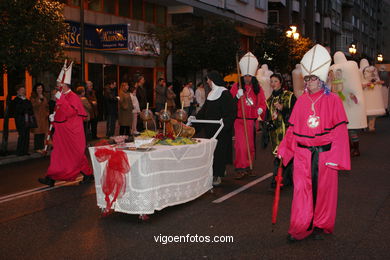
[222,107]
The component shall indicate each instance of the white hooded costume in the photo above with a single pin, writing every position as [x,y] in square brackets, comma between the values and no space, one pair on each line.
[263,75]
[344,80]
[297,80]
[372,89]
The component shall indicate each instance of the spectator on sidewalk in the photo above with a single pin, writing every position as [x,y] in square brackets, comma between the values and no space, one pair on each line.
[185,98]
[41,112]
[90,94]
[111,100]
[200,96]
[139,82]
[125,109]
[161,94]
[88,108]
[135,111]
[22,110]
[171,96]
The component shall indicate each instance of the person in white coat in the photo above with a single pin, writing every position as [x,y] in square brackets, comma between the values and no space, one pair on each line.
[372,87]
[344,79]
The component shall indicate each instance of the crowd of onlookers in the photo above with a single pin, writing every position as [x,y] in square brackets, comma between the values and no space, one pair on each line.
[122,105]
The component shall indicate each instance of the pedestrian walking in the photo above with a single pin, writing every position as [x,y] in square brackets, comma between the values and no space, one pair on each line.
[136,110]
[317,139]
[200,96]
[88,109]
[171,96]
[219,105]
[68,159]
[185,98]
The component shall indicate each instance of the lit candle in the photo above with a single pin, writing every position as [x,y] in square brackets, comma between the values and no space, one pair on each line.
[147,106]
[166,107]
[182,105]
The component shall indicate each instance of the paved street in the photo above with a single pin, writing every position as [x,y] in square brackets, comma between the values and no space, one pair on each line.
[65,223]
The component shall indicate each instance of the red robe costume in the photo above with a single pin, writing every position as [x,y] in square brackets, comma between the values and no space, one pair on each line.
[241,154]
[68,157]
[323,150]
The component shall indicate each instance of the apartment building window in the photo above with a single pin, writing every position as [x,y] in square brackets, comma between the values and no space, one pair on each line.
[138,13]
[109,7]
[261,4]
[273,17]
[149,13]
[124,8]
[95,5]
[160,14]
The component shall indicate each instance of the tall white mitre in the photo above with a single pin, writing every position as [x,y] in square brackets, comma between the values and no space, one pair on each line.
[316,62]
[65,75]
[248,65]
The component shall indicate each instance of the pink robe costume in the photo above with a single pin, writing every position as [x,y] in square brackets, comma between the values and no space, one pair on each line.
[68,157]
[327,147]
[241,154]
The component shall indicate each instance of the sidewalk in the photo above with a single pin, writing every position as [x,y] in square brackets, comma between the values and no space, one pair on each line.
[13,139]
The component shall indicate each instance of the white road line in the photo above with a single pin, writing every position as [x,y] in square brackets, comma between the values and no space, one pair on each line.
[37,190]
[246,186]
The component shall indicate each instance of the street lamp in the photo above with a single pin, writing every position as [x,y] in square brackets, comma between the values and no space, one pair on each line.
[380,58]
[352,49]
[293,33]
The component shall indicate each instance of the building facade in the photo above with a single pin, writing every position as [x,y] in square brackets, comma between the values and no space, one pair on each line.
[116,45]
[335,23]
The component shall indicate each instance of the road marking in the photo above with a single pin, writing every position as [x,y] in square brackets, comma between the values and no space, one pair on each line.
[246,186]
[37,190]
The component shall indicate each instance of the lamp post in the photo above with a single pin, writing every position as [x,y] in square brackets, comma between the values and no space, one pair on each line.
[380,58]
[292,33]
[352,50]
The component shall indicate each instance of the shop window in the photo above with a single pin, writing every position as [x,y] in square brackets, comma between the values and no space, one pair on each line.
[1,84]
[2,104]
[110,73]
[95,5]
[74,2]
[76,76]
[15,78]
[161,14]
[138,10]
[124,8]
[95,74]
[149,15]
[109,6]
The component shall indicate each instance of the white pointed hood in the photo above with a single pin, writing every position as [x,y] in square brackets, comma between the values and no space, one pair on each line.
[248,65]
[316,62]
[65,75]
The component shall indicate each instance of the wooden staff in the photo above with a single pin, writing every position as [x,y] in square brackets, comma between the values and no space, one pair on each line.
[243,116]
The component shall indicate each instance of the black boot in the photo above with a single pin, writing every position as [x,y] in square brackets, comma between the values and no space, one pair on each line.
[86,178]
[356,151]
[47,181]
[317,234]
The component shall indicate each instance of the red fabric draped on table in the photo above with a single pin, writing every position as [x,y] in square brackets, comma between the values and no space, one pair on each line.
[113,180]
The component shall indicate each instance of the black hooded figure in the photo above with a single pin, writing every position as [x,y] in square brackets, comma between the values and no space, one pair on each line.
[219,104]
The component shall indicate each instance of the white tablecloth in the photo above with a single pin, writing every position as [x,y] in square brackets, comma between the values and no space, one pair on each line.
[165,176]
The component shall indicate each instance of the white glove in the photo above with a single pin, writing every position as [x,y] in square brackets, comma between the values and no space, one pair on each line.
[118,98]
[189,119]
[58,95]
[240,93]
[259,111]
[51,117]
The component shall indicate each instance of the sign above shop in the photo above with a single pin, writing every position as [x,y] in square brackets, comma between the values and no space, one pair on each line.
[113,37]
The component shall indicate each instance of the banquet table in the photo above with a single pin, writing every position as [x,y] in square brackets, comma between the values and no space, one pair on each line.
[161,177]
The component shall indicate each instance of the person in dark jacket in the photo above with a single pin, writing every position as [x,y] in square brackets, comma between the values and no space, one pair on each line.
[24,115]
[111,100]
[90,94]
[141,94]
